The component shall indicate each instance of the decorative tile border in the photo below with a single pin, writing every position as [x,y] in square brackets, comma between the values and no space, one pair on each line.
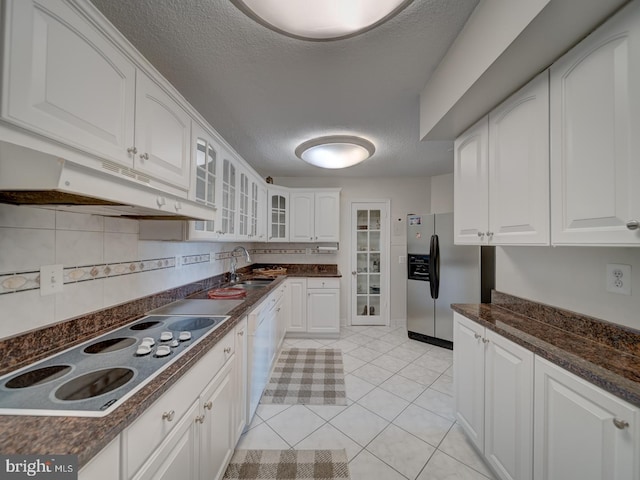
[23,281]
[277,251]
[193,259]
[19,282]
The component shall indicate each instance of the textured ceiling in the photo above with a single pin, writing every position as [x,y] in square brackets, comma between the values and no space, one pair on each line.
[266,93]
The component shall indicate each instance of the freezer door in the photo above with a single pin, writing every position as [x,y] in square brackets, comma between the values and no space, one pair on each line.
[420,313]
[419,231]
[459,276]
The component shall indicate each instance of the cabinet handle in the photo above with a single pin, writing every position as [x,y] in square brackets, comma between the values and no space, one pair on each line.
[481,234]
[278,309]
[169,416]
[633,224]
[484,340]
[227,350]
[241,333]
[621,424]
[200,419]
[477,336]
[310,238]
[489,234]
[132,150]
[144,156]
[354,272]
[208,405]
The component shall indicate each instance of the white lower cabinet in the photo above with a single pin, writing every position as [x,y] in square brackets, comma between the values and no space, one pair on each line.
[493,381]
[216,425]
[297,319]
[568,429]
[240,410]
[582,431]
[105,465]
[188,433]
[323,305]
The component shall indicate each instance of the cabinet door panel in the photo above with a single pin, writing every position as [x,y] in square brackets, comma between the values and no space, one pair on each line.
[574,433]
[302,221]
[519,167]
[468,377]
[323,310]
[595,117]
[298,308]
[508,408]
[471,185]
[327,217]
[217,425]
[163,133]
[66,81]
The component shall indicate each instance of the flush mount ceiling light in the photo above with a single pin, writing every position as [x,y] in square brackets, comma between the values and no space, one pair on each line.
[336,151]
[321,20]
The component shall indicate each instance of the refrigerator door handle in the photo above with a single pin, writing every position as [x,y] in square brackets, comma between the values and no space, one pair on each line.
[434,266]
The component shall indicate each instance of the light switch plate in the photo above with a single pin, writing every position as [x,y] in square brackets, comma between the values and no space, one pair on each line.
[51,279]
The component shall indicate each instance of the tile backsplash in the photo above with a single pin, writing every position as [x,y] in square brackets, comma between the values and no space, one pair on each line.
[104,265]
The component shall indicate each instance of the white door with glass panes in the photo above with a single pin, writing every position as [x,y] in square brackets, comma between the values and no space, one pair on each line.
[370,263]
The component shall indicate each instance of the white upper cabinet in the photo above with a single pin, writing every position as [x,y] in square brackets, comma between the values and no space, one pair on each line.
[258,210]
[69,82]
[595,120]
[163,134]
[471,184]
[519,167]
[501,172]
[66,81]
[228,207]
[278,214]
[315,216]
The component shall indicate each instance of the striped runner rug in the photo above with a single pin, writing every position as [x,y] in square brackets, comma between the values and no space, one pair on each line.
[288,465]
[311,376]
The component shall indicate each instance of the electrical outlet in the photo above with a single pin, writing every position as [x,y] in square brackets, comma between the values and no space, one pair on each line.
[51,279]
[618,278]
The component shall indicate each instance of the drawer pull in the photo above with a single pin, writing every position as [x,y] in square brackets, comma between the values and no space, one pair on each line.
[227,350]
[208,405]
[621,424]
[200,419]
[241,333]
[169,416]
[132,150]
[477,336]
[633,224]
[485,340]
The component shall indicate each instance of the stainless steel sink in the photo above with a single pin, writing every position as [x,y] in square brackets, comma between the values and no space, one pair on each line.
[259,282]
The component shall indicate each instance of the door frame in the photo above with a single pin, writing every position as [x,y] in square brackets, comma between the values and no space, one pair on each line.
[384,205]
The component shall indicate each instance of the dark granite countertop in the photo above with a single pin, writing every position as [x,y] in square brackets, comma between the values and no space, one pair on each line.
[85,436]
[602,353]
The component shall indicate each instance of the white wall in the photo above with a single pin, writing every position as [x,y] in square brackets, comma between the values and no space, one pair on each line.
[571,278]
[442,193]
[32,237]
[407,195]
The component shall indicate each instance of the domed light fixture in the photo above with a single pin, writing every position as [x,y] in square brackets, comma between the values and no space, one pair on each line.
[336,151]
[321,20]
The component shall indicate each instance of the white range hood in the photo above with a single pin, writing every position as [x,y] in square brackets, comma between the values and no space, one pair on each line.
[29,177]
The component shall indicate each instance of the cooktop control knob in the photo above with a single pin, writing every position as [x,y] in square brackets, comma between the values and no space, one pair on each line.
[166,336]
[174,343]
[184,336]
[163,351]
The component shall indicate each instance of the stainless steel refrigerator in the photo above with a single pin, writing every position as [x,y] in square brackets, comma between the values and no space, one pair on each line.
[440,273]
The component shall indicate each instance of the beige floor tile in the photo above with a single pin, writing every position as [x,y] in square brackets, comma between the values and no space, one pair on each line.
[368,467]
[359,424]
[423,424]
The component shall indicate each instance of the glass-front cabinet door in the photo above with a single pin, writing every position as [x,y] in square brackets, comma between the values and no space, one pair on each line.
[278,215]
[204,182]
[229,187]
[244,223]
[370,278]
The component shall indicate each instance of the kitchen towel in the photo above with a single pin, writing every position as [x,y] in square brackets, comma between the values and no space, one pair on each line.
[288,465]
[312,376]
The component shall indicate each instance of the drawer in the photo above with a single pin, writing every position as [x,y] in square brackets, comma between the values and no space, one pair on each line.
[150,429]
[325,282]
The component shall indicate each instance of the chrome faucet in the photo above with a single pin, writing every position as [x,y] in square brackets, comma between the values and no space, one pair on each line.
[234,276]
